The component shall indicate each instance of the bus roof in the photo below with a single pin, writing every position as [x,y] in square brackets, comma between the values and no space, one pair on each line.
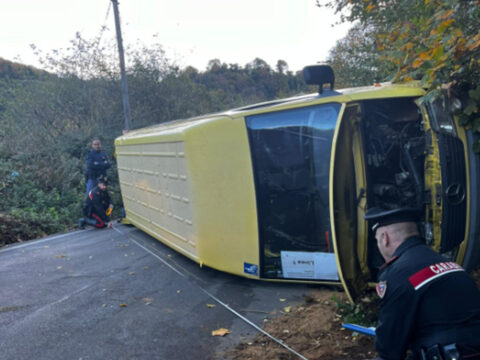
[380,90]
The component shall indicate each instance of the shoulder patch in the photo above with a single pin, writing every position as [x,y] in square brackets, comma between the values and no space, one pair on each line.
[381,289]
[433,272]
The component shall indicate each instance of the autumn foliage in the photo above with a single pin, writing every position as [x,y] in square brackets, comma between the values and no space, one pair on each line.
[434,41]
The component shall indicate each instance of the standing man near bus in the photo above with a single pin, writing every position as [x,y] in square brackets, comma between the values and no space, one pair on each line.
[428,304]
[97,164]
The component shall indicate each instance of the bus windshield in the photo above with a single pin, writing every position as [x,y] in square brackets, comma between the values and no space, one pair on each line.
[291,161]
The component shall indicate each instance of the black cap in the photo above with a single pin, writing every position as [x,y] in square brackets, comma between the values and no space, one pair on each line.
[382,217]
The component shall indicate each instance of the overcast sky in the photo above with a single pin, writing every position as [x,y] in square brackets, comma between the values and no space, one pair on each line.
[192,32]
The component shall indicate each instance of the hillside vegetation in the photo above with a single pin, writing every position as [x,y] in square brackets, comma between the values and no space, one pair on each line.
[47,119]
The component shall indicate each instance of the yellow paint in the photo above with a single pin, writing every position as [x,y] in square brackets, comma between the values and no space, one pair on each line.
[463,246]
[190,185]
[433,183]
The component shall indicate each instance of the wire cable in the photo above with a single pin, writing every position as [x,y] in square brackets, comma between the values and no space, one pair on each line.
[259,329]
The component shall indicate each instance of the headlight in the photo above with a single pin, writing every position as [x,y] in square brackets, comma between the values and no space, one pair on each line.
[441,118]
[454,105]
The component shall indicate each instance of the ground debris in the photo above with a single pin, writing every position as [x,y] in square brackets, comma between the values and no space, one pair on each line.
[220,332]
[314,330]
[311,330]
[13,230]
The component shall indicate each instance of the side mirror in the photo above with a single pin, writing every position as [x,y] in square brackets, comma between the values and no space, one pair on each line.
[319,75]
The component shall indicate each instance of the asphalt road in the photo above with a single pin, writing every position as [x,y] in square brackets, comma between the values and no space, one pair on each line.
[120,294]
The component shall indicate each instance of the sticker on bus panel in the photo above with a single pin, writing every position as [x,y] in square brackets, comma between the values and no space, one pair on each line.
[250,269]
[309,265]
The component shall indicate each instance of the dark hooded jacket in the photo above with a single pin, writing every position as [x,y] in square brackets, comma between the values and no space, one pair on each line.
[97,165]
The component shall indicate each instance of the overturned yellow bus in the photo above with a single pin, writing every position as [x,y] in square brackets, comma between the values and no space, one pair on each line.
[278,190]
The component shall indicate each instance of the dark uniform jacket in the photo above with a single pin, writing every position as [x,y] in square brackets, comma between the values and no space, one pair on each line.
[97,164]
[97,202]
[426,300]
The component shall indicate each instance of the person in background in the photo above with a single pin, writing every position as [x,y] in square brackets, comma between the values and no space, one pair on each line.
[428,304]
[97,207]
[97,164]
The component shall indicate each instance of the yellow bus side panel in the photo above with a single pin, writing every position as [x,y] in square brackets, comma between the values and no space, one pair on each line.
[156,193]
[192,188]
[220,167]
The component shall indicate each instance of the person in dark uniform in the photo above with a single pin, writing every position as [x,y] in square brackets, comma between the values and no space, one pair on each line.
[428,305]
[97,207]
[97,164]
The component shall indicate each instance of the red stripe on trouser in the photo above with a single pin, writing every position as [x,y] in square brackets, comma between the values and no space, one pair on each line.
[100,223]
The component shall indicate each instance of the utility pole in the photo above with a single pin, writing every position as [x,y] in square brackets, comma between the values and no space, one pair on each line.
[126,102]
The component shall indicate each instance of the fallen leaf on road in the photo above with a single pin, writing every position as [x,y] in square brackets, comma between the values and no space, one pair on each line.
[287,309]
[211,305]
[282,300]
[131,273]
[123,305]
[220,332]
[145,268]
[147,300]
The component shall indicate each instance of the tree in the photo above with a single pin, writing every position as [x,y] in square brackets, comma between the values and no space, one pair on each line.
[434,41]
[281,66]
[48,118]
[357,60]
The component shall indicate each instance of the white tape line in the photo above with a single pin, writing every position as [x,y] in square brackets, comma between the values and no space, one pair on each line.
[151,253]
[280,342]
[254,325]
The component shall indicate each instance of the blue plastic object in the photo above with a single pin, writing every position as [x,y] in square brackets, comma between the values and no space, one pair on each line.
[370,331]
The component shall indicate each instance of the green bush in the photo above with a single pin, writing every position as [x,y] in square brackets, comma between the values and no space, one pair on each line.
[363,313]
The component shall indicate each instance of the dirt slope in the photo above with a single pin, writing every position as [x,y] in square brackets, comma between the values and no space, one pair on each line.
[13,230]
[314,330]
